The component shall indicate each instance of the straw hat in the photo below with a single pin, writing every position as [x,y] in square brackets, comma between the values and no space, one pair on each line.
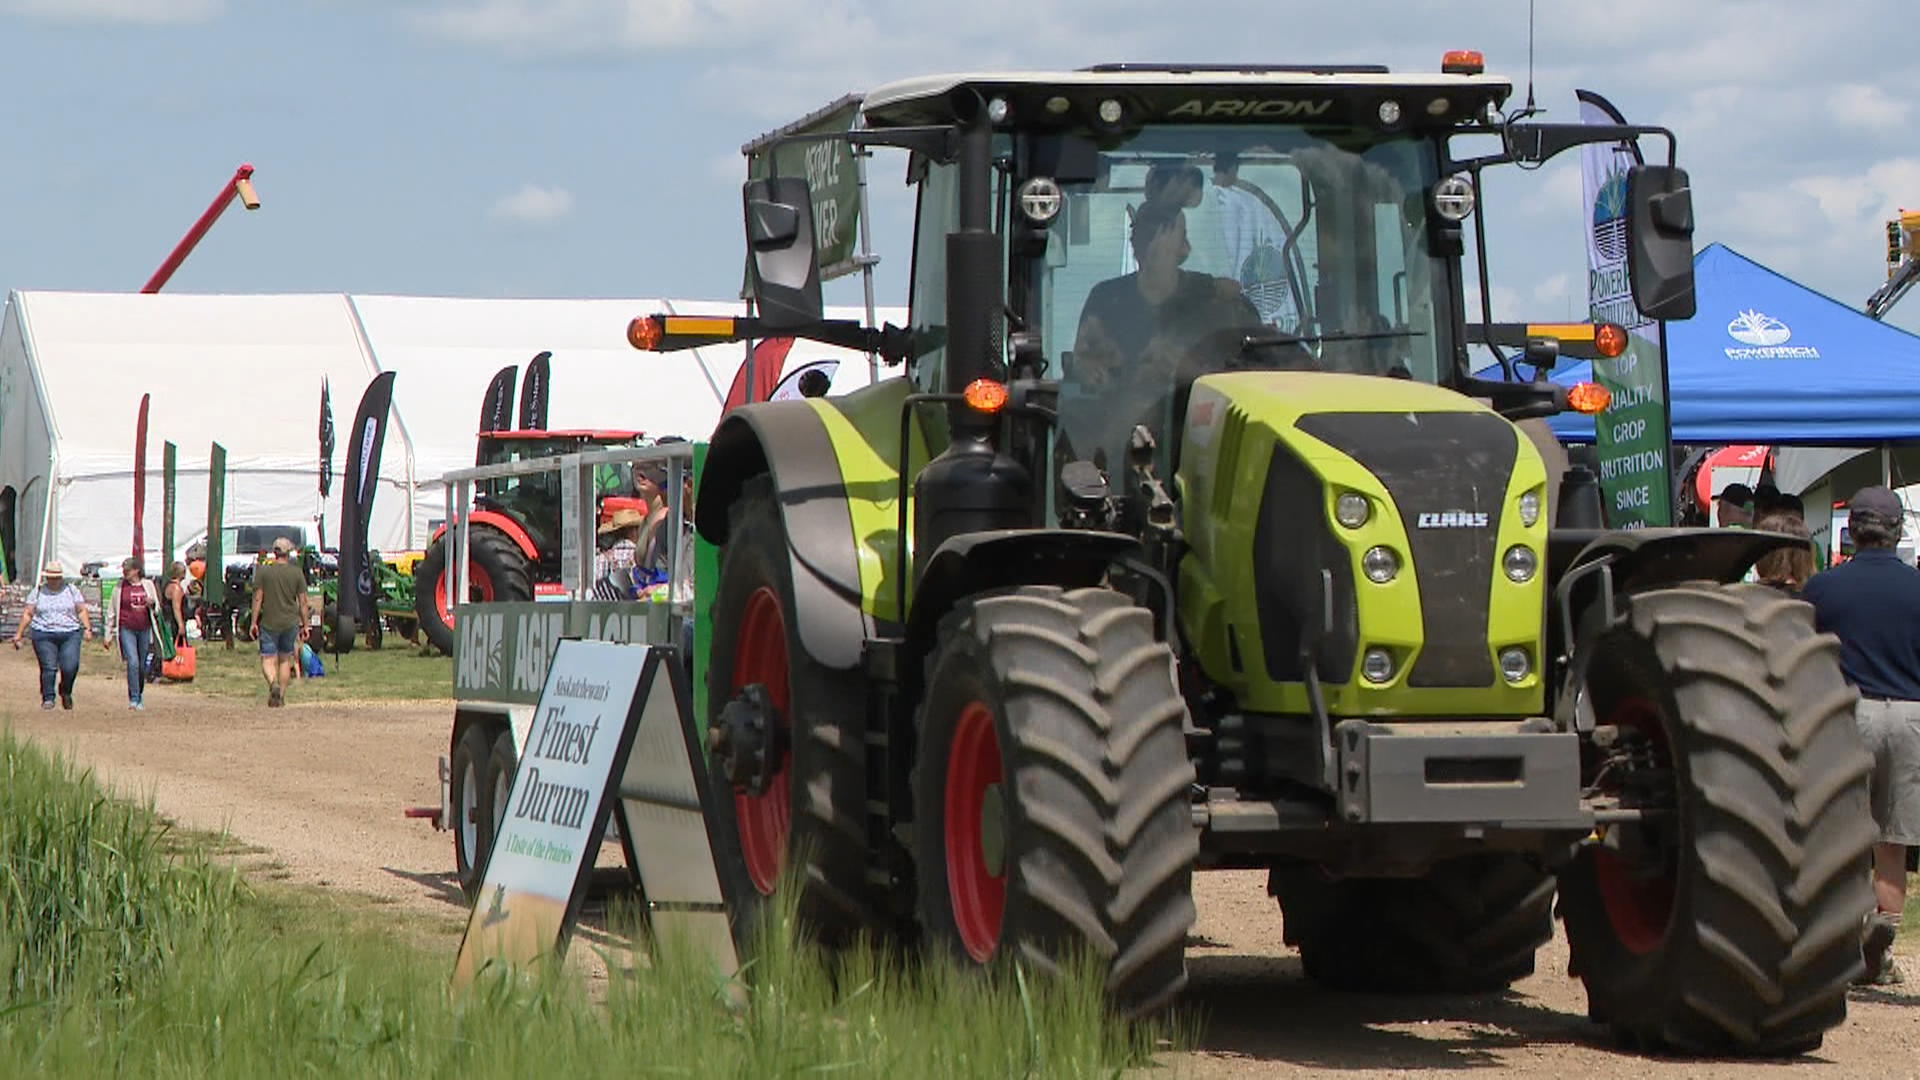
[623,518]
[53,569]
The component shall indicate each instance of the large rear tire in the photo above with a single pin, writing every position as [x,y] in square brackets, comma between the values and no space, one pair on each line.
[812,803]
[1728,922]
[497,571]
[1469,925]
[1053,793]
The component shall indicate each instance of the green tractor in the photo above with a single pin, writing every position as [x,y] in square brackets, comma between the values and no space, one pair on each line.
[1190,542]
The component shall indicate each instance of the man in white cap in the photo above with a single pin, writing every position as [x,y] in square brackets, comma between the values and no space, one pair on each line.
[1872,603]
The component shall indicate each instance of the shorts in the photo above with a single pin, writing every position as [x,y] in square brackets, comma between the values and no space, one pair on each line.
[1891,730]
[280,642]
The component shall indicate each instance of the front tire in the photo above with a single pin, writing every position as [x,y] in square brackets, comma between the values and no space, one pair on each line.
[1053,793]
[813,807]
[1729,923]
[1468,925]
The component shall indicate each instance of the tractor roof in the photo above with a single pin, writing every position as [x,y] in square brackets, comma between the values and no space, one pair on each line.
[581,434]
[1193,93]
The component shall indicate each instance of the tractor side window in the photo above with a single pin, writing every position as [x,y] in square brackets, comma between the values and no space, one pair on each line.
[938,215]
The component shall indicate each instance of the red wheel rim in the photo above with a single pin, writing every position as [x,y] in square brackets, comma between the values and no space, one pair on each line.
[479,587]
[761,657]
[975,887]
[1638,906]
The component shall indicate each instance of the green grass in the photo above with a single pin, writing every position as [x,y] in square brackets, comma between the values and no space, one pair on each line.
[397,672]
[126,952]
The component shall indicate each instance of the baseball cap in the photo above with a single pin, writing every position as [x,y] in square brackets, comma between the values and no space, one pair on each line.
[282,546]
[1878,500]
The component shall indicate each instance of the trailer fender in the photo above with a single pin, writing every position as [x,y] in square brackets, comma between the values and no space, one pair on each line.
[976,562]
[790,441]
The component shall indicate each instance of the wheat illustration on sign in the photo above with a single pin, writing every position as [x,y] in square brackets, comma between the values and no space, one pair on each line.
[1758,328]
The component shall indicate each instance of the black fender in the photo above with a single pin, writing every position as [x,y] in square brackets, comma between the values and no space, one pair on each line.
[788,440]
[1588,568]
[976,562]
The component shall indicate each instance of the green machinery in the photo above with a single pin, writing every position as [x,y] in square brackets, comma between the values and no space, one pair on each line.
[1189,541]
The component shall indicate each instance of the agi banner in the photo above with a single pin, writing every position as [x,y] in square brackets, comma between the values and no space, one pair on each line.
[168,465]
[1631,436]
[213,586]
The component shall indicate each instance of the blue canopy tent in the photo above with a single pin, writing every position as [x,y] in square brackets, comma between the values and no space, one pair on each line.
[1768,360]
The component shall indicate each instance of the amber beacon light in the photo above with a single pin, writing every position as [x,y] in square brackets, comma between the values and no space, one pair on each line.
[1588,398]
[985,395]
[644,332]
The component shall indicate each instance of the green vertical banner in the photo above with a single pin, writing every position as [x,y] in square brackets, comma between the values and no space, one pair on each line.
[168,464]
[1631,436]
[213,586]
[833,179]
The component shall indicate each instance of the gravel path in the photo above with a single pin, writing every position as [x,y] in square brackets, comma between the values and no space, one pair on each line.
[321,787]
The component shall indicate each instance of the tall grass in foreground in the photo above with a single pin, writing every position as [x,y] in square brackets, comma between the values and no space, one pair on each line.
[123,961]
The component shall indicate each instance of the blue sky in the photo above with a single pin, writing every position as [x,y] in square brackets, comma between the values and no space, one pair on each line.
[590,147]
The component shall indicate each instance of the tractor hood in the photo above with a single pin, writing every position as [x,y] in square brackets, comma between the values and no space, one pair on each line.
[1336,516]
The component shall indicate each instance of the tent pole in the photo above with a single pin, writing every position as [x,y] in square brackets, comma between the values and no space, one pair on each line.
[1886,465]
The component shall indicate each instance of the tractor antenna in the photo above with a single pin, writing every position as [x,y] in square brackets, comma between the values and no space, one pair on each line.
[1530,108]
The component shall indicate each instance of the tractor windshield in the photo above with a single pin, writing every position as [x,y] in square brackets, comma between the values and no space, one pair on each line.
[1204,249]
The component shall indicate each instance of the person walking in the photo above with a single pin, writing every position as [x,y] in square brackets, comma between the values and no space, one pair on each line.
[174,599]
[279,614]
[57,616]
[130,622]
[1872,603]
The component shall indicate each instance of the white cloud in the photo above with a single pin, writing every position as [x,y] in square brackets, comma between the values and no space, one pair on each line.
[1858,105]
[533,203]
[1872,196]
[148,12]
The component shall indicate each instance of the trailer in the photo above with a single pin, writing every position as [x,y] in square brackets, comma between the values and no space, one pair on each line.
[501,650]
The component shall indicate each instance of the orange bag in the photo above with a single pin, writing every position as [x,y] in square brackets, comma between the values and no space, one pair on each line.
[181,667]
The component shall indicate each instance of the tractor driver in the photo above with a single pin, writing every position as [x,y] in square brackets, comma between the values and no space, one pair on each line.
[1138,334]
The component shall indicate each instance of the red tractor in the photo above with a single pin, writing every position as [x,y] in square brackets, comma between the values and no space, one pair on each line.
[514,550]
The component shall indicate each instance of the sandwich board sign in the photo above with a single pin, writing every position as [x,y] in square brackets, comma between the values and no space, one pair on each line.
[544,849]
[672,823]
[612,736]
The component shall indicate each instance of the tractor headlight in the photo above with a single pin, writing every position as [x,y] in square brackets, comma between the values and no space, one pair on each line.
[1352,509]
[1380,564]
[1453,198]
[1515,665]
[1520,563]
[1530,509]
[1376,665]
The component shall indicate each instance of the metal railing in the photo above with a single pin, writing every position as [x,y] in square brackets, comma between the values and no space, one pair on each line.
[578,503]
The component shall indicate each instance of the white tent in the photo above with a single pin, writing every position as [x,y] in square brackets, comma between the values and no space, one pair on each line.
[243,371]
[445,351]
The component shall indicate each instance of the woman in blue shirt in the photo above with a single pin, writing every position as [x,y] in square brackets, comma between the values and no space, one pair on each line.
[57,616]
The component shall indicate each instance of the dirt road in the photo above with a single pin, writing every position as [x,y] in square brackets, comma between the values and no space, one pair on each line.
[320,788]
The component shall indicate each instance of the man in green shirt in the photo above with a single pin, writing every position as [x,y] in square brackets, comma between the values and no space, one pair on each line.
[279,613]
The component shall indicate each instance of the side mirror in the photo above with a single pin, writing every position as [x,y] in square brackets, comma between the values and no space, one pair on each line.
[782,266]
[1660,241]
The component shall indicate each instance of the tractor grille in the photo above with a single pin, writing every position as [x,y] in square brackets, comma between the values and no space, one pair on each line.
[1437,466]
[1296,556]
